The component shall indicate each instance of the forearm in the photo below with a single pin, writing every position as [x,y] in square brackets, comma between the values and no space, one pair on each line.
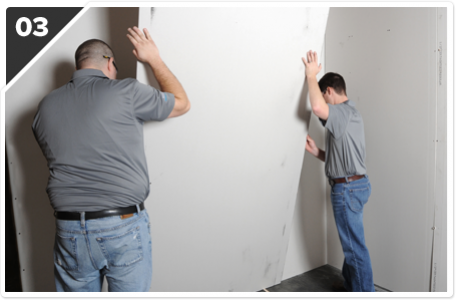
[316,99]
[321,155]
[167,81]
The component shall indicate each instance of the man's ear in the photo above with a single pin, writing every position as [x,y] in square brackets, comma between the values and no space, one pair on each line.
[110,64]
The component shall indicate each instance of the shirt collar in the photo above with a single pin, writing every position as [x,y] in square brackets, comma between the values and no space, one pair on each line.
[87,72]
[349,102]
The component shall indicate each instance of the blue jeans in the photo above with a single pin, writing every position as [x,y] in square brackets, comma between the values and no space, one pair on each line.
[348,200]
[87,250]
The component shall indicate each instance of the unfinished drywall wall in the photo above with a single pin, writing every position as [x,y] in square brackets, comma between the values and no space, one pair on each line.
[225,176]
[307,246]
[28,170]
[392,61]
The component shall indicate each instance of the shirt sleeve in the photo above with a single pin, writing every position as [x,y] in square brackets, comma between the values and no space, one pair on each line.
[338,118]
[151,104]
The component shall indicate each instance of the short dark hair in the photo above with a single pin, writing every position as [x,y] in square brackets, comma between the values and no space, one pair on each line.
[92,51]
[333,80]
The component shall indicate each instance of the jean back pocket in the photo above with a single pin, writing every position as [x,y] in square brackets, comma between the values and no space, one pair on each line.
[122,250]
[65,254]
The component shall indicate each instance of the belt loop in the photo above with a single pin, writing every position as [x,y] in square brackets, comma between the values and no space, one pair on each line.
[346,179]
[138,209]
[82,219]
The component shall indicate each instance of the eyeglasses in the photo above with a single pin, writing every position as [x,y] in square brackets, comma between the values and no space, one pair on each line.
[108,57]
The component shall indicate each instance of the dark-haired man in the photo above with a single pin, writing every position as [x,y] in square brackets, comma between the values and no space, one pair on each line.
[91,132]
[345,168]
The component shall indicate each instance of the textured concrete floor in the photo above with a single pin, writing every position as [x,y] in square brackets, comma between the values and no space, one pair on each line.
[317,280]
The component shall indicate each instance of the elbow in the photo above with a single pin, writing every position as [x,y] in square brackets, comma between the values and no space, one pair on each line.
[321,111]
[183,104]
[316,110]
[189,105]
[187,108]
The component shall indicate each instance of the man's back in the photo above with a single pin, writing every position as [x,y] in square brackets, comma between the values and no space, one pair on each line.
[345,143]
[90,131]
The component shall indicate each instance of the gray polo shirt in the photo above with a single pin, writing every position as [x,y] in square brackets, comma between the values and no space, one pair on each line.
[91,133]
[345,144]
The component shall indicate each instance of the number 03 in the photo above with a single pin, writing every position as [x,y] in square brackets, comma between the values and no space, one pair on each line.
[40,23]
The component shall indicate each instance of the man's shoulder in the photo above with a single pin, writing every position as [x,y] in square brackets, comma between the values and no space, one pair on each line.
[343,107]
[127,80]
[53,95]
[343,112]
[126,83]
[355,115]
[348,106]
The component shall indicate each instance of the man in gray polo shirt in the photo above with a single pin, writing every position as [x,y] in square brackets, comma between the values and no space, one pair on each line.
[345,168]
[91,132]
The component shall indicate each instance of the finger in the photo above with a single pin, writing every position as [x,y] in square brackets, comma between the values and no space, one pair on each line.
[134,34]
[139,32]
[135,53]
[304,61]
[132,40]
[146,33]
[309,57]
[309,139]
[315,58]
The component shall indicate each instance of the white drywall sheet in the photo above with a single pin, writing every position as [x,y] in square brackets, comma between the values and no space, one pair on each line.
[307,246]
[224,177]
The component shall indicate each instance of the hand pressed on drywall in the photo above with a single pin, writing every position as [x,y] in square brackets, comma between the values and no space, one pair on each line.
[147,52]
[312,66]
[312,148]
[145,49]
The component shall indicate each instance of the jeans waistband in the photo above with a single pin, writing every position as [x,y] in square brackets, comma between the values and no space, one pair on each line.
[346,179]
[76,216]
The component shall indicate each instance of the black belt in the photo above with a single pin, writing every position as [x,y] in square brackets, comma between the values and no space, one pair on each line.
[349,179]
[124,212]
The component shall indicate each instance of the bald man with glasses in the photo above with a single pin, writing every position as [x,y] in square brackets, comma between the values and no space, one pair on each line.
[91,132]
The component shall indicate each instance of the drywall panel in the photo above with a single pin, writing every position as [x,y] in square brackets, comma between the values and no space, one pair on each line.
[224,177]
[27,166]
[307,243]
[389,58]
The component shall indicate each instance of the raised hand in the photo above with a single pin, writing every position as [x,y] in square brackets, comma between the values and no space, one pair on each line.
[145,49]
[312,66]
